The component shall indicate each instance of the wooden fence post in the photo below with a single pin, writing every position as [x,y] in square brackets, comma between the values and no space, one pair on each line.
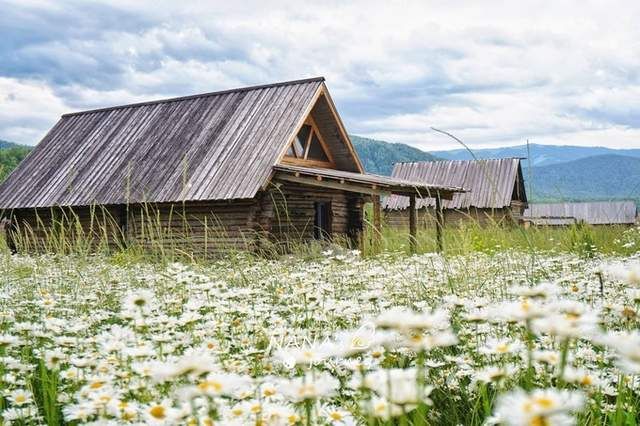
[439,223]
[377,228]
[412,224]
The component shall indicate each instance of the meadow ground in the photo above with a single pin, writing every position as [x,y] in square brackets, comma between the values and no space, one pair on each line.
[533,328]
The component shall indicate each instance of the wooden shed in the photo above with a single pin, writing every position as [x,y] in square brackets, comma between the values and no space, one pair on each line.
[495,192]
[211,171]
[591,212]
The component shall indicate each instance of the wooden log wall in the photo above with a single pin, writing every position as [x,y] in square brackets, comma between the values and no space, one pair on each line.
[197,228]
[63,229]
[289,212]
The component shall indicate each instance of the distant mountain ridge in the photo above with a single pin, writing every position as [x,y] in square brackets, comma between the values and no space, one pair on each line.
[539,155]
[7,144]
[601,177]
[378,157]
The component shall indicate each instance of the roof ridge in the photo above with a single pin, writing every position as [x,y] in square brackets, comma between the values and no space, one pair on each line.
[200,95]
[467,161]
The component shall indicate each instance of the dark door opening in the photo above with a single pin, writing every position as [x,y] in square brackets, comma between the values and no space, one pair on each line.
[322,220]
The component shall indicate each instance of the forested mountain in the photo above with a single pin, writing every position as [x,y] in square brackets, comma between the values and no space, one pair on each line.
[10,156]
[379,157]
[601,177]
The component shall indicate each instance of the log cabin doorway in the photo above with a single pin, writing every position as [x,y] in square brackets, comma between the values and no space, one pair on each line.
[322,220]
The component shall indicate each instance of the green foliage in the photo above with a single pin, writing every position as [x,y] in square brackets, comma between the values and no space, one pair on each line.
[10,158]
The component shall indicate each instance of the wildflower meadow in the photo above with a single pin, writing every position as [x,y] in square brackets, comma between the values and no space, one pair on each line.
[509,337]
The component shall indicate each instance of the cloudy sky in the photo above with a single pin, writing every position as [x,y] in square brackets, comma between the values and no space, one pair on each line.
[492,73]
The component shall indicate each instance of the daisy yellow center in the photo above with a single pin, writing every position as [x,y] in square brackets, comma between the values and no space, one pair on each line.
[544,402]
[380,408]
[539,421]
[417,338]
[128,415]
[336,415]
[210,385]
[306,390]
[496,375]
[158,412]
[20,399]
[292,419]
[96,385]
[269,392]
[628,312]
[586,381]
[572,316]
[502,348]
[237,411]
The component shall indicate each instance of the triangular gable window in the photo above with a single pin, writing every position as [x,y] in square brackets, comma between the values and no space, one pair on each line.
[308,147]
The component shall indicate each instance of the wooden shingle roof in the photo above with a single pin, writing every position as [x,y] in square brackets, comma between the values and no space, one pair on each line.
[488,183]
[213,146]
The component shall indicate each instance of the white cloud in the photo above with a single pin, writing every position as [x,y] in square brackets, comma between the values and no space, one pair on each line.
[494,73]
[26,108]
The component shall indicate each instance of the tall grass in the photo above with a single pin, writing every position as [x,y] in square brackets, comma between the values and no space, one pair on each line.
[170,236]
[158,236]
[471,237]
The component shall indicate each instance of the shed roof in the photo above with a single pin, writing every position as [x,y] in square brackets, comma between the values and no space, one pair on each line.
[213,146]
[488,183]
[594,213]
[368,182]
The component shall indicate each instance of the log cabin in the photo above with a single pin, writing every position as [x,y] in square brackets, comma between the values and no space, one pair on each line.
[495,192]
[209,172]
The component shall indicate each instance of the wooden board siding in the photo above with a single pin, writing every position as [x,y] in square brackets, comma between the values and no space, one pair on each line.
[591,212]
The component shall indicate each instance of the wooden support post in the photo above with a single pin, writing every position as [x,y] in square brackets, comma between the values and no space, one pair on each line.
[124,224]
[412,223]
[439,223]
[377,228]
